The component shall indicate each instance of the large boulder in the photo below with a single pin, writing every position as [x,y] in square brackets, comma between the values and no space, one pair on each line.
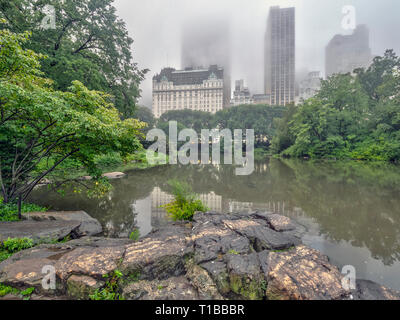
[302,274]
[88,225]
[93,262]
[160,255]
[25,269]
[173,288]
[260,235]
[368,290]
[246,278]
[39,231]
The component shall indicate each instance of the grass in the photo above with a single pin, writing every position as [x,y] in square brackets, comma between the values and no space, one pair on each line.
[135,235]
[25,294]
[11,246]
[185,205]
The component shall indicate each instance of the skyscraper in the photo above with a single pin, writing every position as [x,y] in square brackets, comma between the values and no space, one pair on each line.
[208,44]
[280,56]
[345,53]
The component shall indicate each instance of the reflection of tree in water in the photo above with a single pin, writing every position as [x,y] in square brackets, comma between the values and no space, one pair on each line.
[350,201]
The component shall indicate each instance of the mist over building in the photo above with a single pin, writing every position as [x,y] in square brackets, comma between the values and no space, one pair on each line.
[280,56]
[205,42]
[345,53]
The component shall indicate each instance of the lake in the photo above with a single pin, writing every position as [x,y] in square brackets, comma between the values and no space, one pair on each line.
[351,210]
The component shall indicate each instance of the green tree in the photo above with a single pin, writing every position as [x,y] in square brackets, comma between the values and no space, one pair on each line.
[89,44]
[43,126]
[353,116]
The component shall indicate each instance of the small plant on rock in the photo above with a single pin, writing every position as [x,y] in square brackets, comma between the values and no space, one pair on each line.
[186,203]
[110,291]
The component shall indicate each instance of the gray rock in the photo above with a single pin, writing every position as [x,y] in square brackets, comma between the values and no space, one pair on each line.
[202,281]
[88,225]
[261,236]
[81,287]
[39,231]
[93,262]
[246,278]
[173,288]
[114,175]
[368,290]
[219,273]
[302,274]
[24,269]
[159,255]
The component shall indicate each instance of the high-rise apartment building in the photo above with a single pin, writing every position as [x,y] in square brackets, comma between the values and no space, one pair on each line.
[280,56]
[194,89]
[345,53]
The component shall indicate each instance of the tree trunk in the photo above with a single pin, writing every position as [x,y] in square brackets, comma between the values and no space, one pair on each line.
[20,207]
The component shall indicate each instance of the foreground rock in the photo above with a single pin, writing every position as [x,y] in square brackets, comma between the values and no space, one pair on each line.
[88,225]
[39,231]
[236,256]
[302,274]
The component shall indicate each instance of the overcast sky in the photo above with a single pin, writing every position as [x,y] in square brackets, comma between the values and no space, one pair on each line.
[156,25]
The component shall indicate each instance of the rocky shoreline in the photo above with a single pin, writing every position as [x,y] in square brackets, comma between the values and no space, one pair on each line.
[255,256]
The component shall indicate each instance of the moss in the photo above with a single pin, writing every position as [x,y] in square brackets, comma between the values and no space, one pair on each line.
[250,289]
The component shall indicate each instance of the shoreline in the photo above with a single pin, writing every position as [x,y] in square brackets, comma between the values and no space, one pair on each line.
[217,257]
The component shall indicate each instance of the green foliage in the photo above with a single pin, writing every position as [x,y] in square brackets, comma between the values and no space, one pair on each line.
[90,44]
[11,246]
[111,289]
[185,205]
[40,127]
[135,235]
[5,290]
[260,118]
[9,211]
[354,116]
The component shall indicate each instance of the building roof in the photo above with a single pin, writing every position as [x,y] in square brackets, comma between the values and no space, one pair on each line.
[189,76]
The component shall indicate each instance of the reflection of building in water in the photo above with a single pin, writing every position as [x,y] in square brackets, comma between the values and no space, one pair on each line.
[159,198]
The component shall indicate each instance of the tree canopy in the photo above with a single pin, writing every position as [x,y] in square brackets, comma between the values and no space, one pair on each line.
[41,127]
[89,44]
[353,116]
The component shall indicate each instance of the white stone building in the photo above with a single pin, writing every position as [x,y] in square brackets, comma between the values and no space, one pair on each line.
[241,95]
[310,86]
[194,89]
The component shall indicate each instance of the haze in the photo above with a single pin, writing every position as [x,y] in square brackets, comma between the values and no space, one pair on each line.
[156,27]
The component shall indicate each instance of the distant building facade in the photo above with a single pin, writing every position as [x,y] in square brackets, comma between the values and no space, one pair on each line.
[345,53]
[261,99]
[205,44]
[280,56]
[241,95]
[194,89]
[310,86]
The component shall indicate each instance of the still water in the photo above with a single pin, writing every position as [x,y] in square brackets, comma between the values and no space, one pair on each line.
[351,210]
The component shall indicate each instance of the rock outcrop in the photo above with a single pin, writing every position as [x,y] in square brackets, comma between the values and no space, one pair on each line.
[88,225]
[218,256]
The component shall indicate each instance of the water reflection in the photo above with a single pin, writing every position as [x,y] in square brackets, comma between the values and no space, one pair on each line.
[351,210]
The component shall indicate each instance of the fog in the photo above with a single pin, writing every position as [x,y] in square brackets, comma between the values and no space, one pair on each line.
[159,26]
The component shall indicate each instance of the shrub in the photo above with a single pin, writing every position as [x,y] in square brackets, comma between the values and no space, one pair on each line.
[11,246]
[9,211]
[185,205]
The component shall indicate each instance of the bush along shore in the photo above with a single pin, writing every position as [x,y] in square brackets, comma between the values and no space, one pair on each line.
[256,256]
